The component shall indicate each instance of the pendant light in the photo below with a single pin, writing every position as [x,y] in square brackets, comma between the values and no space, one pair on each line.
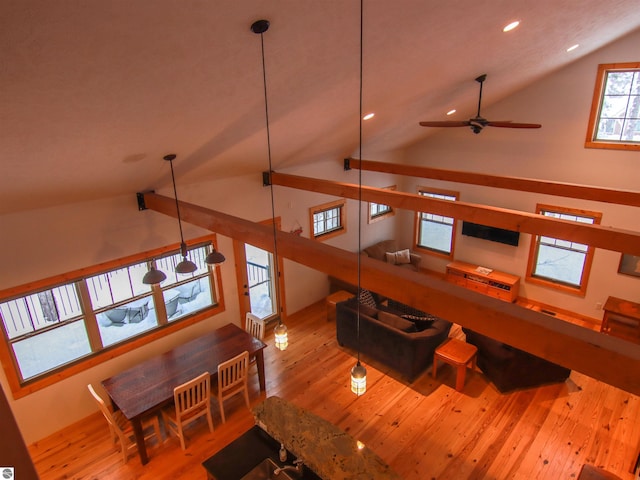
[153,276]
[215,257]
[280,331]
[186,265]
[358,372]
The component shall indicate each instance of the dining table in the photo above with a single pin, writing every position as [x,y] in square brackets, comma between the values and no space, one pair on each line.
[148,386]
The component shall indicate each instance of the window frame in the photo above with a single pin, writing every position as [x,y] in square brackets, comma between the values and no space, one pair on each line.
[417,226]
[596,106]
[388,212]
[341,205]
[586,268]
[21,388]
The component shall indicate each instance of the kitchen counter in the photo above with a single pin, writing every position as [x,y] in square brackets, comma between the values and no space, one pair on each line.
[324,448]
[329,451]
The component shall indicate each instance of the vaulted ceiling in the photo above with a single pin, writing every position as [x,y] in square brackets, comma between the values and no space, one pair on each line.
[94,93]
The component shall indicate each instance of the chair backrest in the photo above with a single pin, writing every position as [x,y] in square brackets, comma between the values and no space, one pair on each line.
[233,372]
[254,325]
[103,406]
[192,395]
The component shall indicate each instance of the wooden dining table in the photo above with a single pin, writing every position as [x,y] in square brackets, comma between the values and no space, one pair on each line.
[148,386]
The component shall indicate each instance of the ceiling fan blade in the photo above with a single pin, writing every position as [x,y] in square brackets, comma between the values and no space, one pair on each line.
[444,123]
[513,125]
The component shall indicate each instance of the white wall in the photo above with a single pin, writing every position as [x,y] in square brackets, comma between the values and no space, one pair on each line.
[561,102]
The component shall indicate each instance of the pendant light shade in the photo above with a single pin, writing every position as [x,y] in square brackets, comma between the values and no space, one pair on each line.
[153,277]
[358,379]
[215,257]
[281,336]
[186,265]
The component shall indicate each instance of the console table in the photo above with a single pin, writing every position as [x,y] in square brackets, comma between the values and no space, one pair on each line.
[621,319]
[489,282]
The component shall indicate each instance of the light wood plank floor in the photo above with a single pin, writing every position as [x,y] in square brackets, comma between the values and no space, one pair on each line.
[426,430]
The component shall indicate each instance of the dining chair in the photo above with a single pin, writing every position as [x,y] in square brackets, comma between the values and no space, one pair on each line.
[232,379]
[191,401]
[254,325]
[121,429]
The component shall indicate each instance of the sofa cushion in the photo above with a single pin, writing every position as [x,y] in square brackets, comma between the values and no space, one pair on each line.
[366,298]
[400,257]
[396,322]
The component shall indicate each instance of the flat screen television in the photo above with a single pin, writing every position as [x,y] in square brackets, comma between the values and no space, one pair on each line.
[494,234]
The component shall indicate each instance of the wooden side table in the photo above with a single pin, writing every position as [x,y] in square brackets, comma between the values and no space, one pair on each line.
[339,296]
[459,354]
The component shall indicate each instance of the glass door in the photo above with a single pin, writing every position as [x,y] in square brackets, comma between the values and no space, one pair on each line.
[260,285]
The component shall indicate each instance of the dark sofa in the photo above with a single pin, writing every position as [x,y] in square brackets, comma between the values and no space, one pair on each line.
[404,345]
[509,368]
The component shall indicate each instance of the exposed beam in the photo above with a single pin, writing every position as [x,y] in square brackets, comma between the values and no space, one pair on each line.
[609,359]
[599,236]
[560,189]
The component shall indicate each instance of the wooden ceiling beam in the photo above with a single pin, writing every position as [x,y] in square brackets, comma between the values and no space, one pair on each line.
[599,236]
[609,359]
[547,187]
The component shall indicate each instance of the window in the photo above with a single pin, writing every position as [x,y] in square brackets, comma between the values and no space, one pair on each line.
[327,220]
[615,111]
[561,263]
[378,211]
[436,233]
[76,316]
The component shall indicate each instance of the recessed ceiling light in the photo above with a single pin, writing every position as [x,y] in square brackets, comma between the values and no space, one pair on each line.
[369,116]
[573,47]
[451,112]
[511,26]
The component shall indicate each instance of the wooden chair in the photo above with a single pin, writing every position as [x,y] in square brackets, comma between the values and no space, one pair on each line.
[232,379]
[192,400]
[120,427]
[254,325]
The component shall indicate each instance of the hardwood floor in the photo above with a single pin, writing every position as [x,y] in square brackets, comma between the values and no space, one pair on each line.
[426,430]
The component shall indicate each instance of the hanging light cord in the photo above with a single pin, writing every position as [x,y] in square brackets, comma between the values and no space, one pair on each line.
[175,194]
[359,185]
[273,208]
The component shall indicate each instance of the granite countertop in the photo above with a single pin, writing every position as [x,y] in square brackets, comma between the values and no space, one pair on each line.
[324,448]
[329,451]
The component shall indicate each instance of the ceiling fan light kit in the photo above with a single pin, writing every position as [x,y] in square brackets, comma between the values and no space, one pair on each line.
[478,122]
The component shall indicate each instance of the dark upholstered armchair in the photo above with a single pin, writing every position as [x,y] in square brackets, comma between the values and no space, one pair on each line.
[510,368]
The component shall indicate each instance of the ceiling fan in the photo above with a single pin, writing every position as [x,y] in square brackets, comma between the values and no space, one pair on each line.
[477,123]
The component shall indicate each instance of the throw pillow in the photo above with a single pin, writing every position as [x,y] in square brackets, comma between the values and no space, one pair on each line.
[403,256]
[421,322]
[396,322]
[398,258]
[366,298]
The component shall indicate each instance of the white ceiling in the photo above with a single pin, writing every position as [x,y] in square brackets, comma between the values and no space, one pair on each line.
[94,93]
